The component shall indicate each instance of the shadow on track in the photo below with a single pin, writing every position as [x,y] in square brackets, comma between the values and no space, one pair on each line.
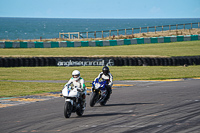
[114,113]
[105,114]
[125,104]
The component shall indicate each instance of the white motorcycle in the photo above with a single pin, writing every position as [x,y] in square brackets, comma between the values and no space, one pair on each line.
[73,101]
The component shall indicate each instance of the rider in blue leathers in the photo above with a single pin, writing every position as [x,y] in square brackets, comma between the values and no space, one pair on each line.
[107,76]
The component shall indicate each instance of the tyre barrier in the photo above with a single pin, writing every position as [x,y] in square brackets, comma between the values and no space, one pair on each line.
[117,61]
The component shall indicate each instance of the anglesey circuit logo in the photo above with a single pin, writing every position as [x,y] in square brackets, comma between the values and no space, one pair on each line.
[97,62]
[110,63]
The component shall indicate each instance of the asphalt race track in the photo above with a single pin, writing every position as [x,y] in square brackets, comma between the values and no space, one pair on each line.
[146,107]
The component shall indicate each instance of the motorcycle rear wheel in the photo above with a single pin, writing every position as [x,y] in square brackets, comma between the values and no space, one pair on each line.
[80,111]
[103,103]
[67,109]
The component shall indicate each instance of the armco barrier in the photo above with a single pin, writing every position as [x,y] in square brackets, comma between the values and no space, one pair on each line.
[95,61]
[165,39]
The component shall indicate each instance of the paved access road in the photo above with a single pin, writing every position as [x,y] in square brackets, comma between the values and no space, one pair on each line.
[146,107]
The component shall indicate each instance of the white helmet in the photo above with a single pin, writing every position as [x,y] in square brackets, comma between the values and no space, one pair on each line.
[76,73]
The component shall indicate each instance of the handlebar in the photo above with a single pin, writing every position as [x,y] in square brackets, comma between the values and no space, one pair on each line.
[79,90]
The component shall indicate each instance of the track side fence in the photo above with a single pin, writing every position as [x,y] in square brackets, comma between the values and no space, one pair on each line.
[129,31]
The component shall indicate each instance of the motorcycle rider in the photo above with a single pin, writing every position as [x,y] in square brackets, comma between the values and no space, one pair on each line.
[79,82]
[107,76]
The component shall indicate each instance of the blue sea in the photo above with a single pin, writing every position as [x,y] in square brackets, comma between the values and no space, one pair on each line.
[47,28]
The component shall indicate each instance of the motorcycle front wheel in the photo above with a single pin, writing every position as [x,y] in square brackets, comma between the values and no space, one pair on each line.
[93,99]
[67,109]
[80,111]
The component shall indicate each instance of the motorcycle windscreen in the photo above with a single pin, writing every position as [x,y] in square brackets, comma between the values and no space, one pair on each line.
[65,92]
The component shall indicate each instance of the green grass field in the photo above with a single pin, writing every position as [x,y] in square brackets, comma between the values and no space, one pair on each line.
[187,48]
[9,88]
[90,72]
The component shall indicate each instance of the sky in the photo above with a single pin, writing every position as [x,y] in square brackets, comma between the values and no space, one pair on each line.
[100,8]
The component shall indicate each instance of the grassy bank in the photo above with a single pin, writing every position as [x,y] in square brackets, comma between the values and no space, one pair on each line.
[88,73]
[188,48]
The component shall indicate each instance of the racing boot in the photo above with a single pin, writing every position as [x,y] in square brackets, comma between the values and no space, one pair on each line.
[109,93]
[83,103]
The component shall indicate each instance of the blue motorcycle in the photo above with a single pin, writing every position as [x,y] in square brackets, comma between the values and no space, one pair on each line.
[99,93]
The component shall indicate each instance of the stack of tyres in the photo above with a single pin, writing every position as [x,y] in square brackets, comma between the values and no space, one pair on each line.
[146,62]
[198,60]
[125,62]
[121,61]
[118,61]
[139,61]
[16,62]
[115,61]
[46,61]
[34,61]
[6,62]
[26,62]
[169,61]
[134,61]
[182,61]
[193,60]
[161,62]
[173,61]
[157,62]
[131,62]
[153,61]
[52,61]
[165,62]
[1,62]
[40,61]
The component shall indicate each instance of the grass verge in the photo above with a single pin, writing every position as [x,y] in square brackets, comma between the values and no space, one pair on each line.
[8,89]
[187,48]
[12,89]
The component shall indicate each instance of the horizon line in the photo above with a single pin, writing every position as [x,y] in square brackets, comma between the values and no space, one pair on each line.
[102,18]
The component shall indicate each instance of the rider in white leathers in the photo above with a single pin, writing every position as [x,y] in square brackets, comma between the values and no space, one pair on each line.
[79,82]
